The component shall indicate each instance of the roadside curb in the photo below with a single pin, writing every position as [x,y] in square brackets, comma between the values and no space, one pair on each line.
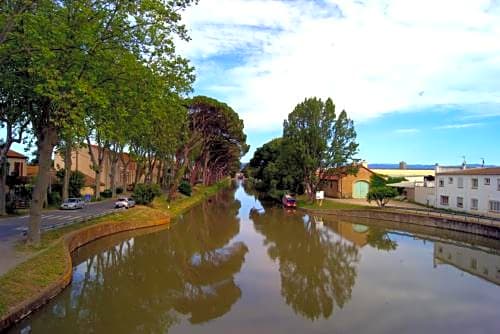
[71,242]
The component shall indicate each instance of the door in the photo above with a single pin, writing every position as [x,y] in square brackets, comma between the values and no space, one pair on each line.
[360,189]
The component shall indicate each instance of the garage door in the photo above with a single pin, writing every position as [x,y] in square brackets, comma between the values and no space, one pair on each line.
[360,189]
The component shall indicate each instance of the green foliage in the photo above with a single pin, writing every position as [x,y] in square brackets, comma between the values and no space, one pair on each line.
[54,198]
[145,193]
[185,188]
[379,191]
[119,190]
[107,193]
[315,142]
[76,183]
[322,142]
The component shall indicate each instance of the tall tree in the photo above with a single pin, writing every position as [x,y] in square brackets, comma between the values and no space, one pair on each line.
[65,41]
[322,141]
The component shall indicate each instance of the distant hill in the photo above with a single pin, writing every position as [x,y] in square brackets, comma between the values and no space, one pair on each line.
[417,166]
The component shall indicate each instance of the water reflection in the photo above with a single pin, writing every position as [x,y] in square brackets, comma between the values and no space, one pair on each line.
[476,262]
[317,268]
[147,284]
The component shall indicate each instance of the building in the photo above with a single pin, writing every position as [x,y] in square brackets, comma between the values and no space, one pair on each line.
[475,190]
[410,174]
[17,163]
[343,185]
[81,161]
[476,262]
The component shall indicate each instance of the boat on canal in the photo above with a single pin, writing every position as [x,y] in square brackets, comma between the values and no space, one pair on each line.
[289,201]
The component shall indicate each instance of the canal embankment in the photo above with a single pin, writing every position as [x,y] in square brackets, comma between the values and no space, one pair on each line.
[482,227]
[48,271]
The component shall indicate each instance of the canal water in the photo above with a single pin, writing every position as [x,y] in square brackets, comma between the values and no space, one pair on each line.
[233,265]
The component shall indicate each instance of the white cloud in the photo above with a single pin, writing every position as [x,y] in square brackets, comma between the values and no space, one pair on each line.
[406,131]
[371,57]
[458,126]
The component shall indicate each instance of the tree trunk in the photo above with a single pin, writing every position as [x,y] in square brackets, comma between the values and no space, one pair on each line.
[46,142]
[67,170]
[4,170]
[97,183]
[112,176]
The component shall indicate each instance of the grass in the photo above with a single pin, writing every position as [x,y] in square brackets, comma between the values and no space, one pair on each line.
[48,261]
[304,202]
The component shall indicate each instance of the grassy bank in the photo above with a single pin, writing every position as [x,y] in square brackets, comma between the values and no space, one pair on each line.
[48,262]
[305,203]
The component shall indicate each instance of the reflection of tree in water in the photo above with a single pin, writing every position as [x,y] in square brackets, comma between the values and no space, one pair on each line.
[317,268]
[144,284]
[380,239]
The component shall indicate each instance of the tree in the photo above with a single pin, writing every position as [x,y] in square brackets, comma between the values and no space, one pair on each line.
[213,143]
[322,141]
[65,42]
[379,191]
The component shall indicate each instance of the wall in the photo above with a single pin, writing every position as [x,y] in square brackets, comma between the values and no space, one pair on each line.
[82,161]
[484,193]
[12,164]
[343,188]
[425,195]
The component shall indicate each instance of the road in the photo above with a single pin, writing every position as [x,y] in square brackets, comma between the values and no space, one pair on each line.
[12,229]
[15,226]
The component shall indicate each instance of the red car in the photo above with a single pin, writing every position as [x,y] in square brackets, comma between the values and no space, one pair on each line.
[289,201]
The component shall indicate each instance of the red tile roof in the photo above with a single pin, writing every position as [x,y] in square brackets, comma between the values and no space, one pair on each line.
[474,171]
[14,154]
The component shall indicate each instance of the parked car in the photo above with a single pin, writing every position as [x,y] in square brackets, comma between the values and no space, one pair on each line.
[289,201]
[124,202]
[72,204]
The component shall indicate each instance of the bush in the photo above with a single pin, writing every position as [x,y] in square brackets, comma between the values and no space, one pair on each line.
[145,193]
[119,190]
[107,193]
[54,198]
[76,183]
[185,188]
[381,195]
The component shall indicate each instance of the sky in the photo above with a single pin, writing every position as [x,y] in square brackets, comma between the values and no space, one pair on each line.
[420,78]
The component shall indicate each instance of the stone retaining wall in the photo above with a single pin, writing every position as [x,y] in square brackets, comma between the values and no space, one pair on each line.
[489,231]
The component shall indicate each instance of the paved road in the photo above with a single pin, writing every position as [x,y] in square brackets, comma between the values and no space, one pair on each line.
[15,226]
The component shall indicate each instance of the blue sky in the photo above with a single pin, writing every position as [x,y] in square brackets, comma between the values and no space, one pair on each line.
[419,77]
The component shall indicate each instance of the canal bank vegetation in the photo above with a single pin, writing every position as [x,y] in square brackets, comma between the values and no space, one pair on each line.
[106,75]
[317,142]
[49,260]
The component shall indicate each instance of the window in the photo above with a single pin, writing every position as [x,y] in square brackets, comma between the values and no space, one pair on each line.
[450,180]
[441,183]
[445,200]
[474,204]
[475,183]
[460,182]
[487,181]
[495,206]
[460,202]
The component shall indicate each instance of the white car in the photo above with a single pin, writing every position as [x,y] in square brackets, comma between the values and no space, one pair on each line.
[124,202]
[72,204]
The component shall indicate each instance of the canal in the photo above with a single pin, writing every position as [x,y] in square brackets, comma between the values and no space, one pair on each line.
[232,265]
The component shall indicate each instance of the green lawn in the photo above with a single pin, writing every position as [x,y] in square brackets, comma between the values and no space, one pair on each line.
[304,202]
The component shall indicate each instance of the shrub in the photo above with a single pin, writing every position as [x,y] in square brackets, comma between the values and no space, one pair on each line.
[54,198]
[145,193]
[119,190]
[76,183]
[381,195]
[185,188]
[107,193]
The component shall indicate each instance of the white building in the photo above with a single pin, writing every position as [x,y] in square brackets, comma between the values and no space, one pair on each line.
[475,190]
